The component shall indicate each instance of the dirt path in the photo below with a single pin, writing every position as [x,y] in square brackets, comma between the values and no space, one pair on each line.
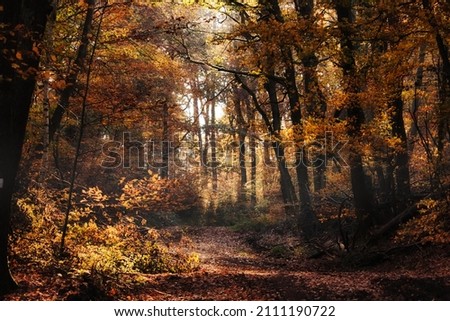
[223,251]
[232,270]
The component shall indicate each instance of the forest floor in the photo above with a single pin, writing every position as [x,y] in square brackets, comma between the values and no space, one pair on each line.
[234,266]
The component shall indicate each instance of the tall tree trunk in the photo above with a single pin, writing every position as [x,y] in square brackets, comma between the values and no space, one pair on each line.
[401,158]
[316,106]
[214,163]
[306,217]
[395,102]
[274,127]
[253,161]
[75,70]
[22,25]
[287,188]
[417,102]
[271,10]
[242,165]
[197,127]
[73,173]
[164,172]
[206,141]
[315,101]
[242,134]
[362,192]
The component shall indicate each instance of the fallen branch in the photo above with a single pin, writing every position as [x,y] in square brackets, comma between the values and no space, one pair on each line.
[407,214]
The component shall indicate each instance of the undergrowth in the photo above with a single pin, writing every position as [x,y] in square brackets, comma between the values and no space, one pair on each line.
[431,226]
[96,245]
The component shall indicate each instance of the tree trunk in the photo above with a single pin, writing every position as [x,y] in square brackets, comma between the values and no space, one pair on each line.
[270,10]
[164,171]
[417,102]
[306,217]
[197,127]
[242,134]
[214,163]
[287,188]
[315,101]
[252,145]
[17,82]
[206,141]
[82,128]
[76,68]
[395,102]
[316,106]
[401,158]
[362,193]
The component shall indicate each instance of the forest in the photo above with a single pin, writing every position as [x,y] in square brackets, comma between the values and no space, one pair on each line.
[224,150]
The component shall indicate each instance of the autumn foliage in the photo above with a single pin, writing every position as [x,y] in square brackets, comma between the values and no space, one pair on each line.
[322,126]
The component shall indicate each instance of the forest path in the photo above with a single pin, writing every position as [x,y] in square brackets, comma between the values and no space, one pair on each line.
[223,251]
[232,270]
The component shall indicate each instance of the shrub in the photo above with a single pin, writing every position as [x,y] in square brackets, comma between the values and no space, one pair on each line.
[126,248]
[94,242]
[431,226]
[154,195]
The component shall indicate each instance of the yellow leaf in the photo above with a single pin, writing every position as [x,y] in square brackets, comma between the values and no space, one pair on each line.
[53,58]
[19,55]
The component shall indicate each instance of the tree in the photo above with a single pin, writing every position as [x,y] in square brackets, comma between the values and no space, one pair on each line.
[22,28]
[315,102]
[444,86]
[75,69]
[239,100]
[306,216]
[361,191]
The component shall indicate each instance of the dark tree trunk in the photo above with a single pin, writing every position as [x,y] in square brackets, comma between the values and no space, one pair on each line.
[287,188]
[316,106]
[214,163]
[164,172]
[383,191]
[76,68]
[306,217]
[242,134]
[252,145]
[315,101]
[197,127]
[16,90]
[417,102]
[270,10]
[401,158]
[206,141]
[362,192]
